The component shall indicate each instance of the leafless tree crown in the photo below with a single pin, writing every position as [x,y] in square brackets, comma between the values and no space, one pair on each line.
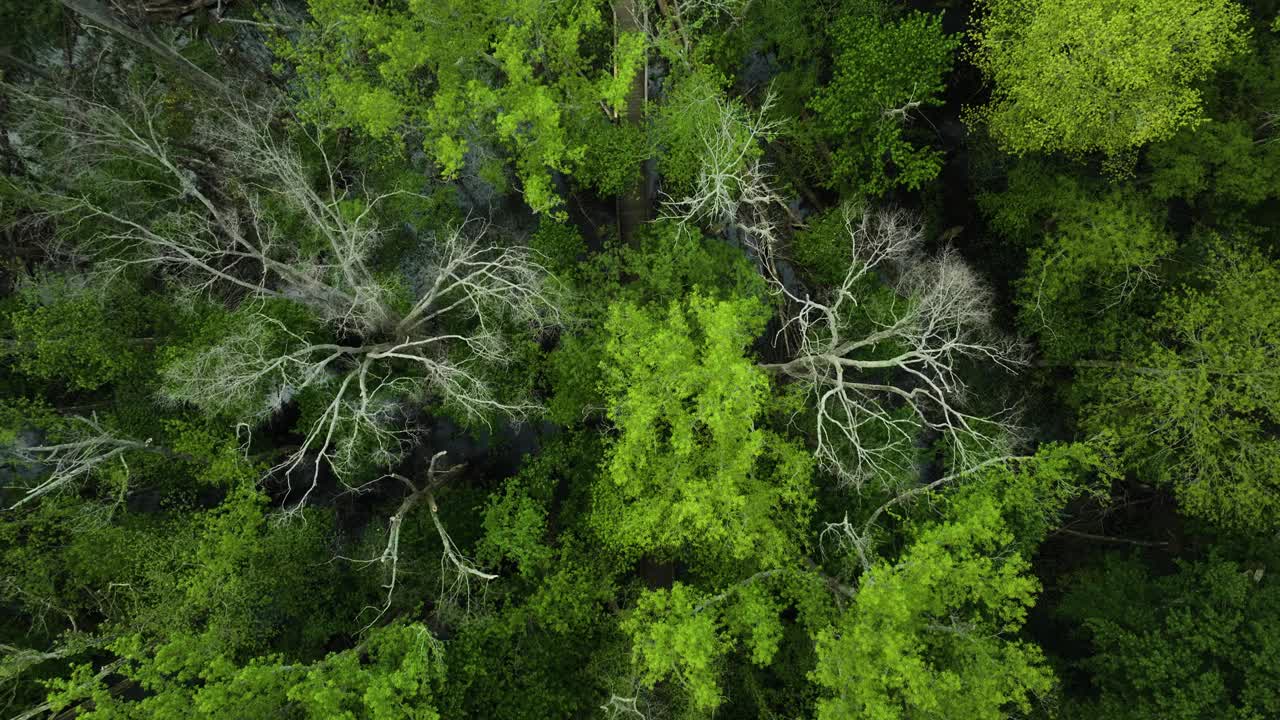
[211,221]
[882,373]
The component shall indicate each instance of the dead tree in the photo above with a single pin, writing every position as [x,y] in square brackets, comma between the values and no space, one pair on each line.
[734,193]
[84,448]
[213,229]
[730,176]
[883,372]
[117,23]
[457,572]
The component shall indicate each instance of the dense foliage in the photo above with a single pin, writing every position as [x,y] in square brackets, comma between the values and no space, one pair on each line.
[829,359]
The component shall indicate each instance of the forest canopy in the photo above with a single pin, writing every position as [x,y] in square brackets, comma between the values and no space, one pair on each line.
[632,360]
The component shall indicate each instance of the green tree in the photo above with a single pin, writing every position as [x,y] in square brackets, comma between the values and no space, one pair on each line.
[691,470]
[490,76]
[932,631]
[83,333]
[699,129]
[1093,256]
[1201,642]
[668,261]
[396,674]
[545,643]
[1195,405]
[1082,76]
[699,640]
[1231,161]
[928,634]
[885,71]
[674,639]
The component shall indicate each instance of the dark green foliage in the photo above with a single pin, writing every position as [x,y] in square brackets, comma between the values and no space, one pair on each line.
[1229,160]
[1206,384]
[821,250]
[613,158]
[885,71]
[29,26]
[87,336]
[792,33]
[1201,642]
[559,245]
[1093,252]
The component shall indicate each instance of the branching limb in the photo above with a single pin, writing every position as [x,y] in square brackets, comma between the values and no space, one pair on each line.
[87,448]
[102,15]
[634,703]
[618,707]
[877,390]
[720,597]
[466,277]
[729,176]
[860,539]
[210,224]
[42,708]
[227,228]
[453,562]
[39,605]
[16,660]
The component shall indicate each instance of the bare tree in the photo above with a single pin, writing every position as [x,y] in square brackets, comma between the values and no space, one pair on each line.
[456,571]
[730,174]
[882,373]
[203,219]
[110,18]
[84,448]
[687,14]
[861,539]
[212,221]
[734,192]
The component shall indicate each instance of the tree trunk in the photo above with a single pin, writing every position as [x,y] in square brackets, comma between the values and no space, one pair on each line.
[633,205]
[102,15]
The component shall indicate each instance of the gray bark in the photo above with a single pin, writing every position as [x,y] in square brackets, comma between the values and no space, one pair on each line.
[100,14]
